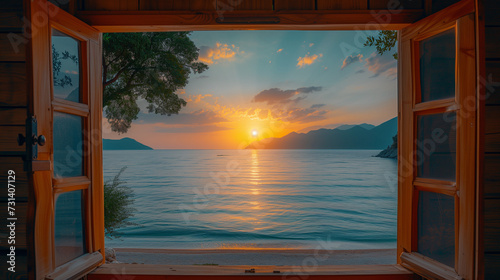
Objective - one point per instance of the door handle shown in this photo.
(40, 140)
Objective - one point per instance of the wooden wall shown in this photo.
(491, 181)
(212, 5)
(431, 6)
(13, 115)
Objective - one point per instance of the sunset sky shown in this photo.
(269, 83)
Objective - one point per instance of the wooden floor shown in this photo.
(157, 272)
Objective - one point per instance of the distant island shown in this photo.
(391, 151)
(345, 137)
(123, 144)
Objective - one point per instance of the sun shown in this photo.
(255, 133)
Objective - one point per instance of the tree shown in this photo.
(118, 201)
(150, 66)
(384, 42)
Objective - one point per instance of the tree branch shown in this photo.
(131, 78)
(116, 57)
(104, 71)
(116, 76)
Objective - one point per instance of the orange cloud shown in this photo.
(306, 115)
(211, 55)
(197, 98)
(263, 114)
(351, 59)
(392, 72)
(308, 60)
(381, 64)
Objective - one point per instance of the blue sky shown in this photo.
(274, 82)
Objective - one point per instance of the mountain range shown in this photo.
(362, 136)
(349, 126)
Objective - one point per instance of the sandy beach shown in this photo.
(283, 257)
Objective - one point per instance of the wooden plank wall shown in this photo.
(13, 115)
(492, 142)
(263, 5)
(438, 5)
(66, 5)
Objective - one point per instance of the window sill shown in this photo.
(147, 271)
(427, 267)
(76, 268)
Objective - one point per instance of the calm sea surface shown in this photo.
(336, 199)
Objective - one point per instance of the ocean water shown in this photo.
(307, 199)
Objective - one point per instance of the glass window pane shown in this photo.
(436, 227)
(65, 66)
(437, 66)
(68, 145)
(69, 235)
(436, 146)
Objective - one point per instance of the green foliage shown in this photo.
(149, 66)
(118, 200)
(384, 42)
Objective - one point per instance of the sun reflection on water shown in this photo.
(255, 178)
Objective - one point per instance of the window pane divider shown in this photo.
(436, 188)
(445, 105)
(70, 107)
(435, 182)
(71, 184)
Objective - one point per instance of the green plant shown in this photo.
(385, 41)
(118, 201)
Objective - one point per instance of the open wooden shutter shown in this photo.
(67, 170)
(437, 136)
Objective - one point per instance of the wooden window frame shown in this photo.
(463, 189)
(84, 182)
(47, 188)
(169, 21)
